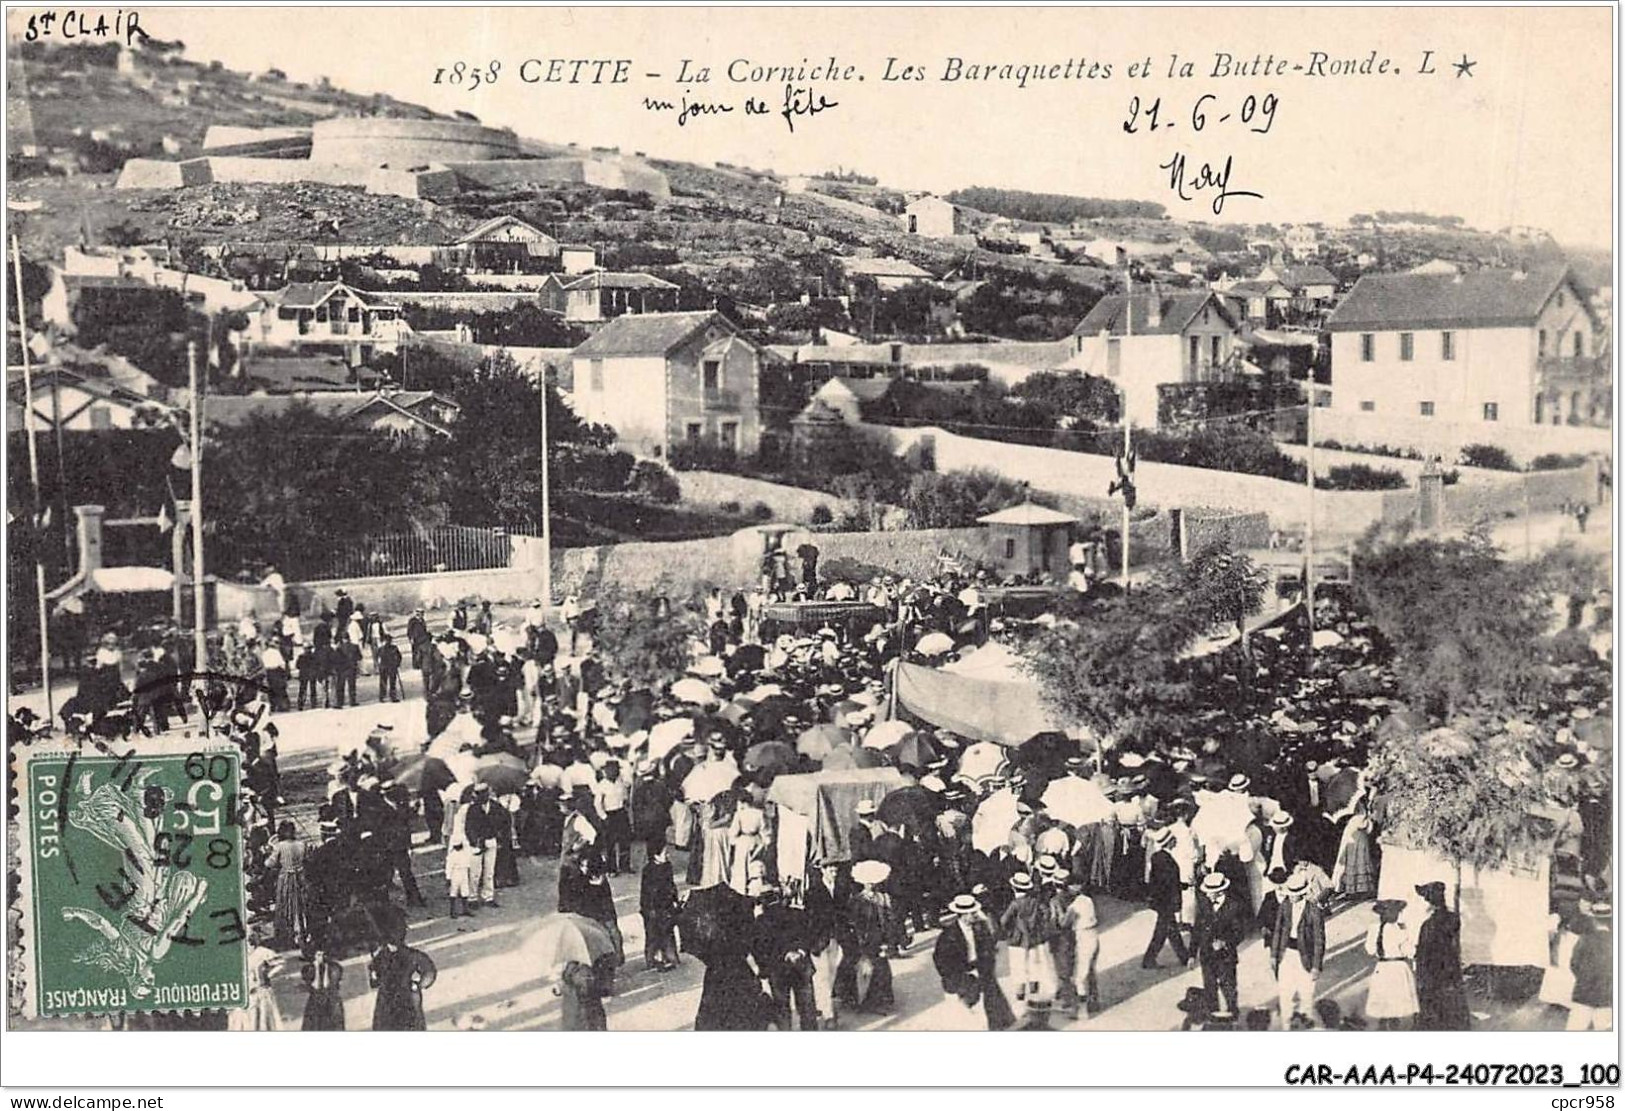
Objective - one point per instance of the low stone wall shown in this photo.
(1447, 438)
(1327, 458)
(1534, 492)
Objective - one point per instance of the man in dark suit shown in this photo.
(442, 684)
(1297, 950)
(1164, 897)
(1593, 966)
(417, 635)
(1283, 846)
(782, 946)
(1440, 996)
(1221, 927)
(395, 832)
(488, 826)
(966, 960)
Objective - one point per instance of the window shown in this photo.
(1368, 406)
(1561, 300)
(1579, 344)
(730, 435)
(101, 417)
(1492, 410)
(1196, 351)
(693, 431)
(1540, 346)
(595, 371)
(1214, 343)
(713, 374)
(1425, 408)
(1368, 347)
(1009, 549)
(1447, 346)
(1407, 346)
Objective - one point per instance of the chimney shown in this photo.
(1153, 317)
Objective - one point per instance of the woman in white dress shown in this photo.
(1392, 996)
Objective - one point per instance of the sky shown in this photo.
(1521, 137)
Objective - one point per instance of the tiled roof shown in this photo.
(497, 223)
(652, 333)
(307, 295)
(1296, 277)
(611, 279)
(1178, 310)
(1028, 513)
(884, 268)
(1491, 298)
(865, 389)
(233, 411)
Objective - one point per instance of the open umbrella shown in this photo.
(820, 740)
(887, 733)
(770, 756)
(709, 780)
(1077, 802)
(912, 808)
(694, 691)
(843, 759)
(424, 771)
(558, 939)
(1045, 752)
(935, 644)
(667, 735)
(770, 713)
(715, 921)
(915, 751)
(982, 760)
(990, 826)
(708, 667)
(736, 712)
(763, 693)
(504, 772)
(547, 775)
(1598, 732)
(635, 712)
(746, 658)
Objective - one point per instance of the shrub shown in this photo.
(655, 482)
(761, 511)
(704, 456)
(821, 514)
(1488, 456)
(729, 507)
(1556, 461)
(1361, 476)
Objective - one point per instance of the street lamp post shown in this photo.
(200, 639)
(33, 476)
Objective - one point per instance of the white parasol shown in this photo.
(1076, 801)
(990, 826)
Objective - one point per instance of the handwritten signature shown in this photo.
(1187, 184)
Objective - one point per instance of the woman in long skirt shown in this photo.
(506, 872)
(292, 889)
(1355, 874)
(1392, 996)
(324, 1006)
(260, 1014)
(583, 998)
(865, 982)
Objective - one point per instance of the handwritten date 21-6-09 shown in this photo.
(1210, 179)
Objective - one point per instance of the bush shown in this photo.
(1362, 476)
(761, 511)
(704, 456)
(655, 482)
(1487, 456)
(821, 514)
(1556, 461)
(729, 507)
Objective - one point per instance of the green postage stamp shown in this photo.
(132, 880)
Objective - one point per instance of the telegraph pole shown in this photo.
(1122, 370)
(1309, 528)
(33, 475)
(200, 639)
(547, 514)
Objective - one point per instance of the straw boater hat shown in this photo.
(1021, 881)
(867, 807)
(1281, 820)
(965, 904)
(871, 872)
(1162, 837)
(1568, 760)
(1239, 782)
(1215, 882)
(1298, 884)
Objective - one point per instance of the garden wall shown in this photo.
(1165, 485)
(789, 503)
(1447, 438)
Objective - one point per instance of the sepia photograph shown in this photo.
(790, 519)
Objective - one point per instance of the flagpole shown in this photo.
(33, 476)
(200, 639)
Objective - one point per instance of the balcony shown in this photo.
(1573, 368)
(722, 401)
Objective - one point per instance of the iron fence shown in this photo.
(418, 552)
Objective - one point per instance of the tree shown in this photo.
(1220, 585)
(641, 640)
(957, 499)
(1470, 629)
(1115, 666)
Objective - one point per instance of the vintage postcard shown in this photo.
(799, 519)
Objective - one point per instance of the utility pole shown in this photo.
(1309, 528)
(547, 514)
(1122, 369)
(33, 476)
(200, 639)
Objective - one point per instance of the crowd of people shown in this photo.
(535, 752)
